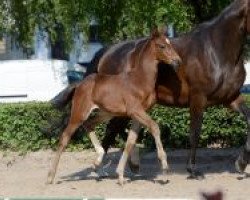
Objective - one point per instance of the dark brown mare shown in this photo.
(212, 73)
(127, 94)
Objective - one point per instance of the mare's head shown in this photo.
(241, 9)
(248, 16)
(163, 49)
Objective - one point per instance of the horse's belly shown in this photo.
(173, 97)
(228, 91)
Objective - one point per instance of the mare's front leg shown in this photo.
(197, 105)
(131, 140)
(244, 157)
(116, 126)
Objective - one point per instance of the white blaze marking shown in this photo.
(167, 40)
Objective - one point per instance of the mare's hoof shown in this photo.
(242, 161)
(240, 165)
(195, 174)
(244, 176)
(135, 168)
(162, 182)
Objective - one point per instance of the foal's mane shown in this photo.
(137, 52)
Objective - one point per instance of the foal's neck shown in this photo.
(145, 66)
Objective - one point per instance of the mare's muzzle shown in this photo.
(175, 64)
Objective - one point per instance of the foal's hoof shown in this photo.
(195, 174)
(135, 168)
(50, 179)
(166, 171)
(121, 181)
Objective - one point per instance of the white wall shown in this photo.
(247, 67)
(39, 80)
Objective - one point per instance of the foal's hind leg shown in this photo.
(89, 125)
(79, 113)
(131, 140)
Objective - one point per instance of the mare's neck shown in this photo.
(228, 34)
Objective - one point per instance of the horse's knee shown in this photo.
(154, 128)
(64, 141)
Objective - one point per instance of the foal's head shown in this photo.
(163, 49)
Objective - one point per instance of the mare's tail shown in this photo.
(64, 97)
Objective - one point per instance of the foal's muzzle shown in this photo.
(175, 64)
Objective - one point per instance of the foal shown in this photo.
(127, 94)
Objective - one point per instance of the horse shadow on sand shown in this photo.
(210, 161)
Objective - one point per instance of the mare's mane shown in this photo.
(228, 13)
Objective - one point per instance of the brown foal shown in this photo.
(127, 94)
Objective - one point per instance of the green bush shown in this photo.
(34, 126)
(220, 126)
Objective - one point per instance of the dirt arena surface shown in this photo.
(25, 176)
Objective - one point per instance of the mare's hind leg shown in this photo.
(244, 157)
(131, 140)
(197, 105)
(79, 113)
(116, 126)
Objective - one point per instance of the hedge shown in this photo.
(33, 126)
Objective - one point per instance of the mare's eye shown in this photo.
(162, 46)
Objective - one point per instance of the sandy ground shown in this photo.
(26, 176)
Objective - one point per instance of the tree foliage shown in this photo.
(117, 19)
(206, 9)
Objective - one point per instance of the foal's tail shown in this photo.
(64, 97)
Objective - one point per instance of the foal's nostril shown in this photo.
(176, 63)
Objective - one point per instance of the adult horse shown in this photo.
(212, 73)
(125, 94)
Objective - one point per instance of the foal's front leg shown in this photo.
(141, 116)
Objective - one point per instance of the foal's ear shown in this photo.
(164, 30)
(155, 33)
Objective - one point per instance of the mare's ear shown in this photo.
(243, 11)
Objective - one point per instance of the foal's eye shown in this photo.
(162, 46)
